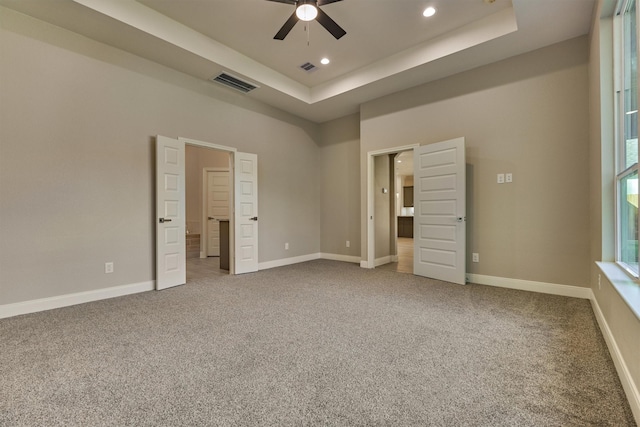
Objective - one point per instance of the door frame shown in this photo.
(369, 261)
(205, 183)
(232, 151)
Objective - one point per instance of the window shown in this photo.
(627, 137)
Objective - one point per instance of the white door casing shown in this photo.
(217, 190)
(440, 211)
(171, 269)
(246, 212)
(369, 249)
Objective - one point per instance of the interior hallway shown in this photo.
(405, 257)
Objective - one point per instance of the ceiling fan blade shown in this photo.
(323, 2)
(288, 1)
(291, 22)
(330, 25)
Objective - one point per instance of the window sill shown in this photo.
(628, 289)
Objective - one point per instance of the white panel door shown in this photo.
(439, 211)
(217, 208)
(171, 269)
(246, 215)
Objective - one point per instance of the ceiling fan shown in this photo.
(308, 10)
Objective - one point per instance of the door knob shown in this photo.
(255, 218)
(460, 219)
(211, 217)
(163, 220)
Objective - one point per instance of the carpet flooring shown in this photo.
(317, 343)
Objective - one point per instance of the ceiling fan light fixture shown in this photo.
(430, 11)
(306, 11)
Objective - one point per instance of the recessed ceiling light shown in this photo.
(399, 161)
(430, 11)
(324, 61)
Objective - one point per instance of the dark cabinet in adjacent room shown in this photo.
(405, 226)
(407, 196)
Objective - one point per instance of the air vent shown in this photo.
(308, 67)
(234, 82)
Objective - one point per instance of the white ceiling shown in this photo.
(389, 45)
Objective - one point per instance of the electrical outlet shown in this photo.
(500, 178)
(286, 246)
(475, 257)
(108, 267)
(348, 244)
(509, 177)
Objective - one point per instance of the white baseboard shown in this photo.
(287, 261)
(532, 286)
(343, 258)
(383, 260)
(394, 258)
(630, 388)
(309, 257)
(26, 307)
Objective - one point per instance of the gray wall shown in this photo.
(381, 215)
(527, 115)
(77, 127)
(340, 177)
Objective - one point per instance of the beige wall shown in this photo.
(381, 215)
(527, 115)
(340, 177)
(78, 121)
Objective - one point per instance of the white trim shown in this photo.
(287, 261)
(189, 141)
(369, 259)
(42, 304)
(627, 287)
(394, 258)
(383, 260)
(309, 257)
(343, 258)
(630, 388)
(531, 286)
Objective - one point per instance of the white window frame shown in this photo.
(619, 114)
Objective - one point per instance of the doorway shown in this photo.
(393, 218)
(440, 214)
(208, 197)
(171, 225)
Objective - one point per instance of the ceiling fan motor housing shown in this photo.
(309, 10)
